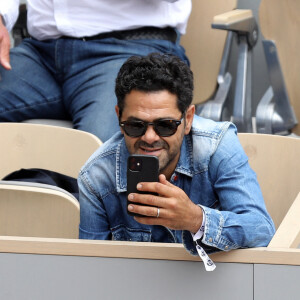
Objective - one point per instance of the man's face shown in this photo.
(150, 107)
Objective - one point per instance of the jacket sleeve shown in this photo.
(93, 219)
(241, 220)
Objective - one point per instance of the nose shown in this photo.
(150, 135)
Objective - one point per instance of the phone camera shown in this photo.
(135, 164)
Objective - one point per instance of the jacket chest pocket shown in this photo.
(123, 233)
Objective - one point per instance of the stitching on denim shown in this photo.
(96, 158)
(118, 167)
(119, 226)
(40, 103)
(89, 187)
(213, 134)
(221, 134)
(146, 234)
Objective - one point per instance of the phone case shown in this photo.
(140, 168)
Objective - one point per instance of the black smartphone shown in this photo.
(140, 168)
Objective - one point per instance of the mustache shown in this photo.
(157, 144)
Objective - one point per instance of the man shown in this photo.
(66, 70)
(206, 192)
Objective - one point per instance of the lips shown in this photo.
(150, 151)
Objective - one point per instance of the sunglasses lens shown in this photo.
(166, 127)
(134, 129)
(163, 127)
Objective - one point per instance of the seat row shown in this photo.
(39, 210)
(34, 209)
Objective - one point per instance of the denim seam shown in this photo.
(96, 158)
(118, 177)
(141, 232)
(89, 232)
(215, 135)
(191, 161)
(219, 241)
(190, 149)
(170, 231)
(224, 128)
(89, 186)
(130, 229)
(31, 105)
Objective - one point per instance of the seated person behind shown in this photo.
(66, 70)
(206, 190)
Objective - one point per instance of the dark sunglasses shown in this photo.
(162, 127)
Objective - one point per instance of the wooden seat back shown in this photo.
(280, 22)
(204, 45)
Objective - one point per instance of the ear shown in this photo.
(118, 116)
(117, 111)
(189, 116)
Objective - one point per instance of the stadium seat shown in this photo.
(37, 210)
(33, 209)
(279, 108)
(53, 148)
(276, 161)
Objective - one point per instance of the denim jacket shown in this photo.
(213, 171)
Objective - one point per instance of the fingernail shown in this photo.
(139, 186)
(130, 207)
(7, 65)
(130, 197)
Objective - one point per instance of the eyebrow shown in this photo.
(134, 119)
(131, 118)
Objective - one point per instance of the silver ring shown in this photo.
(157, 213)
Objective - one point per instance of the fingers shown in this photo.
(162, 188)
(4, 60)
(176, 210)
(147, 199)
(4, 48)
(149, 221)
(147, 211)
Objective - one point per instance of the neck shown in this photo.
(170, 168)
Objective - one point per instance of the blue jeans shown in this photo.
(71, 79)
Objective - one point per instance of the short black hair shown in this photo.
(156, 72)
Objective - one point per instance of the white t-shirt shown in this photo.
(78, 18)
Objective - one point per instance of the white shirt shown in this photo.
(77, 18)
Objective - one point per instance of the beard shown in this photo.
(166, 157)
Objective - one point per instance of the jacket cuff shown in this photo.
(213, 237)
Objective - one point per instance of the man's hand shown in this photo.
(4, 46)
(176, 210)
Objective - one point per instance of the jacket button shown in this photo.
(226, 247)
(210, 240)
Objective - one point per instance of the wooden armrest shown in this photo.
(288, 233)
(233, 16)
